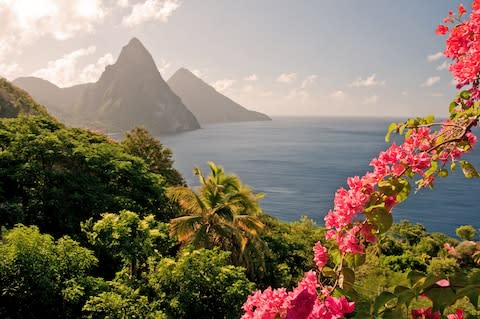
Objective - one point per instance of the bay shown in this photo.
(299, 163)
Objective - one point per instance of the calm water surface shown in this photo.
(299, 163)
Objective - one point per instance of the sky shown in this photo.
(281, 57)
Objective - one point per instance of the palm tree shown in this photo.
(223, 213)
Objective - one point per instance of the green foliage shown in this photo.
(403, 263)
(38, 274)
(466, 232)
(139, 142)
(224, 213)
(289, 252)
(200, 284)
(129, 238)
(55, 177)
(121, 301)
(440, 266)
(15, 101)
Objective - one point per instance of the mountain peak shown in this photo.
(135, 54)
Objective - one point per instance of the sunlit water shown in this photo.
(299, 163)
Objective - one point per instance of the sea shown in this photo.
(299, 163)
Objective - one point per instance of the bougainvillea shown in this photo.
(363, 210)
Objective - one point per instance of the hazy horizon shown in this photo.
(314, 58)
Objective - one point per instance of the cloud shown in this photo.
(338, 94)
(27, 20)
(247, 89)
(435, 56)
(252, 77)
(10, 71)
(309, 80)
(163, 66)
(222, 85)
(23, 22)
(287, 78)
(369, 81)
(443, 66)
(371, 99)
(65, 71)
(123, 3)
(431, 81)
(151, 10)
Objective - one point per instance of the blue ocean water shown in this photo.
(300, 162)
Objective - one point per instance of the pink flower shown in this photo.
(301, 306)
(320, 255)
(457, 315)
(441, 29)
(425, 313)
(461, 10)
(443, 283)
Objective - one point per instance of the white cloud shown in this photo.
(371, 99)
(122, 3)
(309, 80)
(92, 72)
(443, 66)
(65, 71)
(338, 94)
(23, 22)
(287, 77)
(369, 81)
(151, 10)
(163, 65)
(27, 20)
(297, 94)
(431, 81)
(247, 88)
(252, 77)
(223, 85)
(10, 71)
(434, 57)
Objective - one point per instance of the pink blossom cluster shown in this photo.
(427, 313)
(342, 222)
(320, 255)
(463, 47)
(302, 302)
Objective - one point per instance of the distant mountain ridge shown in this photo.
(208, 105)
(15, 101)
(129, 93)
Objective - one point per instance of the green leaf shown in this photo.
(381, 219)
(346, 278)
(452, 106)
(441, 297)
(468, 169)
(453, 166)
(403, 187)
(432, 169)
(471, 292)
(355, 260)
(429, 119)
(465, 95)
(392, 127)
(328, 272)
(415, 276)
(382, 300)
(443, 172)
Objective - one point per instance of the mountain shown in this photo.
(60, 101)
(208, 105)
(15, 101)
(129, 93)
